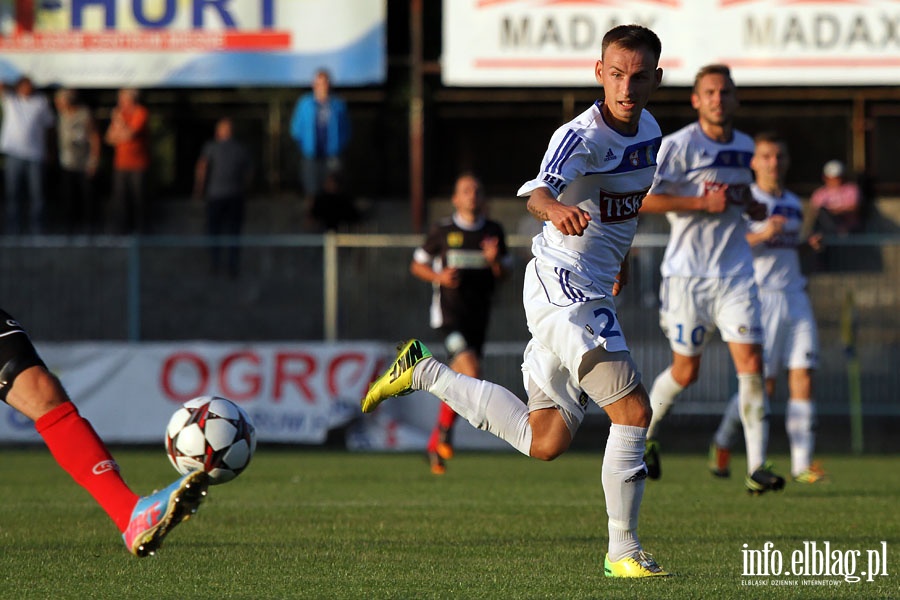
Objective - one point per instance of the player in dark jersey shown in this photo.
(463, 257)
(27, 386)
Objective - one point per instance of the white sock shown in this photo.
(754, 416)
(487, 406)
(799, 422)
(730, 426)
(662, 396)
(624, 475)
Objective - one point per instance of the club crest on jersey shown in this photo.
(455, 239)
(635, 158)
(615, 208)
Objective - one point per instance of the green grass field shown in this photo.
(311, 524)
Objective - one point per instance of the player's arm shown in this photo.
(569, 220)
(448, 277)
(623, 275)
(712, 201)
(493, 249)
(774, 226)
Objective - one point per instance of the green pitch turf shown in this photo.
(311, 524)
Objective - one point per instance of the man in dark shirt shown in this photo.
(463, 257)
(222, 176)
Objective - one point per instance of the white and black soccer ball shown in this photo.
(211, 434)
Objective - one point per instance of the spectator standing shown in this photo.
(836, 205)
(78, 142)
(128, 135)
(222, 176)
(462, 257)
(320, 125)
(23, 139)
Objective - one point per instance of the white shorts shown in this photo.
(567, 317)
(792, 339)
(692, 308)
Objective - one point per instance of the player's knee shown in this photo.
(16, 356)
(548, 448)
(685, 374)
(550, 436)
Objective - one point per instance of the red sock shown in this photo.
(446, 419)
(82, 454)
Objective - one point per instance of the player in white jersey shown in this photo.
(588, 192)
(702, 184)
(791, 338)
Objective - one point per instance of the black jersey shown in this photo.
(451, 244)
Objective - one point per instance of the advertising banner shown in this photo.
(295, 393)
(192, 43)
(766, 42)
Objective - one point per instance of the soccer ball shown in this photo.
(210, 434)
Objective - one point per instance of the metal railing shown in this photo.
(358, 287)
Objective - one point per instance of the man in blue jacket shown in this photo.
(321, 127)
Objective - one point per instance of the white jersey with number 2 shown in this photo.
(590, 165)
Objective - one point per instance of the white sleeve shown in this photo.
(565, 159)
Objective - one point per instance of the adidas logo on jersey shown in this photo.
(610, 155)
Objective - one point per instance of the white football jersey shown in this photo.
(704, 244)
(776, 264)
(590, 165)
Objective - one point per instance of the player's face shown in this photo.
(628, 78)
(770, 162)
(468, 197)
(715, 100)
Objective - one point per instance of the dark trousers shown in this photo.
(76, 196)
(128, 201)
(24, 183)
(225, 216)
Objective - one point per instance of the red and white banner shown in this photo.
(766, 42)
(293, 392)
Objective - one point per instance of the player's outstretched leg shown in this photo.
(397, 380)
(154, 516)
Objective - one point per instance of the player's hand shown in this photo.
(715, 197)
(757, 211)
(490, 247)
(621, 279)
(774, 226)
(570, 220)
(448, 278)
(815, 242)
